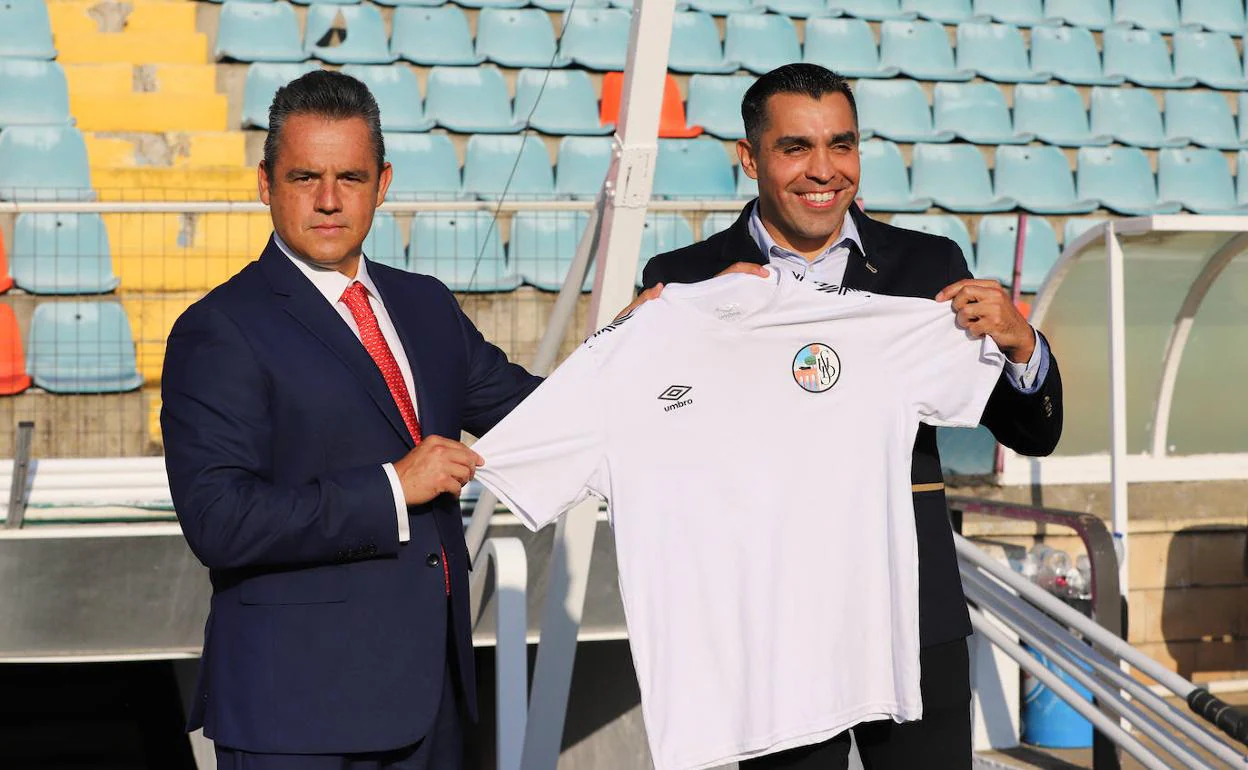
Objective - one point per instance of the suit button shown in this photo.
(433, 560)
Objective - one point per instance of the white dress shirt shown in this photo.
(331, 284)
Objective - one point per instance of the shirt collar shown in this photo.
(766, 244)
(329, 283)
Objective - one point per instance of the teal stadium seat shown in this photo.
(218, 2)
(996, 52)
(462, 249)
(966, 451)
(489, 162)
(1211, 58)
(33, 92)
(397, 93)
(517, 37)
(82, 347)
(717, 222)
(662, 232)
(582, 166)
(259, 88)
(1086, 14)
(491, 3)
(897, 110)
(696, 47)
(568, 104)
(798, 9)
(1070, 54)
(1241, 177)
(943, 11)
(384, 243)
(543, 245)
(693, 168)
(955, 177)
(1055, 115)
(761, 42)
(433, 36)
(1200, 117)
(1199, 179)
(61, 254)
(1130, 116)
(746, 187)
(25, 30)
(563, 5)
(44, 163)
(884, 181)
(1021, 13)
(725, 7)
(258, 32)
(1075, 228)
(310, 2)
(1242, 112)
(346, 34)
(1141, 56)
(715, 104)
(976, 112)
(945, 225)
(846, 46)
(425, 167)
(1160, 15)
(418, 3)
(997, 241)
(469, 100)
(1040, 179)
(919, 49)
(1121, 179)
(596, 38)
(1214, 15)
(871, 10)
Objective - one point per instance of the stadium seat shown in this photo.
(955, 177)
(996, 244)
(568, 104)
(1200, 117)
(1242, 112)
(1039, 178)
(492, 3)
(1214, 15)
(44, 163)
(6, 280)
(425, 167)
(966, 451)
(423, 3)
(397, 94)
(564, 5)
(919, 49)
(1141, 56)
(25, 30)
(1241, 177)
(671, 116)
(662, 232)
(846, 46)
(62, 254)
(717, 222)
(1211, 58)
(264, 32)
(1070, 54)
(725, 7)
(761, 42)
(82, 347)
(582, 166)
(1159, 15)
(943, 11)
(517, 37)
(384, 243)
(346, 34)
(543, 245)
(897, 110)
(1085, 14)
(1075, 228)
(996, 52)
(696, 46)
(746, 187)
(946, 225)
(1199, 179)
(263, 80)
(596, 38)
(1021, 13)
(715, 104)
(884, 182)
(13, 376)
(975, 112)
(462, 249)
(491, 167)
(1055, 115)
(1130, 116)
(33, 93)
(432, 36)
(798, 9)
(871, 10)
(1121, 179)
(469, 100)
(693, 168)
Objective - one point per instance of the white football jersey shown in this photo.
(752, 438)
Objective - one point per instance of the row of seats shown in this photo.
(73, 347)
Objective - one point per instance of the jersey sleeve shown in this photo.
(548, 454)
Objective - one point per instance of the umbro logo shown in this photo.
(676, 394)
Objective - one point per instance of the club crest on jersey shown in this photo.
(816, 367)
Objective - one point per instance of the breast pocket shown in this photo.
(316, 585)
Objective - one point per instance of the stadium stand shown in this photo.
(543, 244)
(33, 93)
(696, 47)
(469, 100)
(464, 249)
(1214, 15)
(62, 254)
(761, 42)
(897, 110)
(44, 163)
(346, 34)
(397, 93)
(25, 30)
(919, 49)
(1197, 178)
(872, 10)
(517, 164)
(1021, 13)
(1200, 117)
(945, 225)
(884, 181)
(1130, 116)
(715, 104)
(596, 38)
(263, 80)
(1210, 58)
(977, 113)
(1055, 115)
(1088, 14)
(1039, 179)
(672, 119)
(6, 281)
(955, 177)
(846, 46)
(254, 32)
(943, 11)
(425, 166)
(693, 169)
(384, 243)
(582, 165)
(1070, 54)
(519, 37)
(13, 376)
(996, 52)
(1142, 57)
(1121, 179)
(433, 36)
(1160, 15)
(995, 244)
(558, 102)
(82, 347)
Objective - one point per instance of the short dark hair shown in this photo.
(801, 78)
(326, 94)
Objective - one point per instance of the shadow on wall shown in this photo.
(1204, 606)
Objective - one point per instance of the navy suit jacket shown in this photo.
(326, 635)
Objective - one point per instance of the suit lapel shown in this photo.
(402, 311)
(739, 245)
(867, 270)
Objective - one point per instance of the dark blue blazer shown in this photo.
(326, 635)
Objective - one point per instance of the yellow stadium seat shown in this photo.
(109, 152)
(149, 112)
(100, 79)
(140, 47)
(219, 148)
(175, 184)
(185, 78)
(151, 317)
(161, 16)
(119, 78)
(168, 253)
(152, 396)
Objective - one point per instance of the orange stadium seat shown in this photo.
(672, 118)
(6, 280)
(13, 377)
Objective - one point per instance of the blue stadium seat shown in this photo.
(1214, 15)
(1160, 15)
(1199, 179)
(1039, 178)
(897, 110)
(543, 245)
(884, 182)
(943, 11)
(717, 222)
(1141, 56)
(568, 104)
(1130, 116)
(1200, 117)
(425, 167)
(846, 46)
(696, 46)
(432, 36)
(1074, 228)
(976, 112)
(309, 2)
(1085, 14)
(397, 93)
(966, 451)
(746, 187)
(693, 168)
(1241, 177)
(946, 225)
(469, 100)
(25, 30)
(871, 10)
(919, 49)
(1242, 112)
(517, 37)
(715, 104)
(419, 3)
(1055, 114)
(488, 165)
(82, 347)
(725, 7)
(44, 163)
(596, 38)
(1021, 13)
(798, 9)
(462, 249)
(263, 80)
(955, 177)
(384, 243)
(761, 42)
(1211, 58)
(996, 243)
(1070, 54)
(582, 166)
(346, 34)
(1121, 179)
(662, 232)
(33, 93)
(61, 254)
(996, 52)
(267, 32)
(493, 3)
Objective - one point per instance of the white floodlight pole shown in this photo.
(1118, 400)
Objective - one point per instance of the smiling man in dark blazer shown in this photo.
(802, 147)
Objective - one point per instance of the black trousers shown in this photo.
(941, 740)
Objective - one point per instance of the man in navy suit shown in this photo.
(312, 409)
